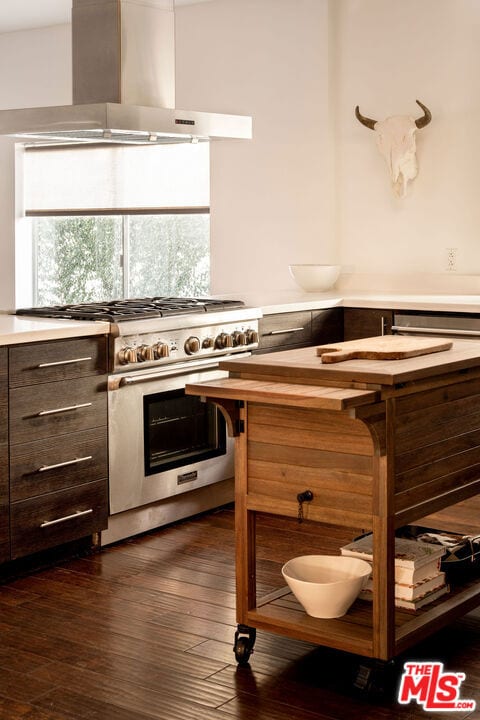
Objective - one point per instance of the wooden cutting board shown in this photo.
(386, 347)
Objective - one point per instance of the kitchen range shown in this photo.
(169, 454)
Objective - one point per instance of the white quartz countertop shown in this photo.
(290, 302)
(16, 329)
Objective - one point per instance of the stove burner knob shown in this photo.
(239, 338)
(224, 340)
(145, 352)
(192, 345)
(127, 355)
(208, 343)
(161, 350)
(252, 337)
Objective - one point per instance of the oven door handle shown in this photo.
(434, 331)
(173, 371)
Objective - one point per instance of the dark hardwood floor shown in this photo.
(144, 629)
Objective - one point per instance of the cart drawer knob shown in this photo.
(305, 496)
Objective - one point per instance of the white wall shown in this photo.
(35, 70)
(272, 197)
(389, 53)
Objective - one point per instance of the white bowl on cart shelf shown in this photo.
(315, 278)
(326, 585)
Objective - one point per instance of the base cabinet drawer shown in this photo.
(46, 466)
(57, 518)
(57, 360)
(56, 408)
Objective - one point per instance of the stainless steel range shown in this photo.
(169, 454)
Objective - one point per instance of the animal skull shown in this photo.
(396, 142)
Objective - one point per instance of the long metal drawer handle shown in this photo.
(283, 332)
(79, 513)
(64, 409)
(44, 468)
(64, 362)
(435, 331)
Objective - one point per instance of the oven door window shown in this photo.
(180, 430)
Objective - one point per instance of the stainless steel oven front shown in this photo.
(163, 443)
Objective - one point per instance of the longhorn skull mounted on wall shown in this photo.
(396, 141)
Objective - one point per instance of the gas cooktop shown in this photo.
(134, 309)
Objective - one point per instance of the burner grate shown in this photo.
(132, 309)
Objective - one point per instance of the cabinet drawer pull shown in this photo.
(287, 330)
(64, 464)
(64, 409)
(63, 362)
(77, 514)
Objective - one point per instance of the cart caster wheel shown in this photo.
(243, 645)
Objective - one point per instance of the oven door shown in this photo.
(161, 441)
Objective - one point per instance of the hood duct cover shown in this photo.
(123, 84)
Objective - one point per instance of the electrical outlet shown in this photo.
(451, 259)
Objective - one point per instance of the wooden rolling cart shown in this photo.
(378, 445)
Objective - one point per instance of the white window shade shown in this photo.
(117, 178)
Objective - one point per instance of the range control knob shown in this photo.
(252, 336)
(224, 340)
(127, 355)
(239, 338)
(208, 343)
(161, 350)
(145, 353)
(192, 345)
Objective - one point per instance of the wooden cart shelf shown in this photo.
(379, 445)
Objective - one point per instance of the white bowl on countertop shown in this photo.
(315, 278)
(326, 585)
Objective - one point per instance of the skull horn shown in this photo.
(427, 116)
(368, 122)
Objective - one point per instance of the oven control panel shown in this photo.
(164, 347)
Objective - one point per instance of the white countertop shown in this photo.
(292, 301)
(16, 329)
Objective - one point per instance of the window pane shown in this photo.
(78, 259)
(169, 255)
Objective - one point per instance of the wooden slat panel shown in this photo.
(424, 430)
(428, 505)
(438, 396)
(351, 444)
(466, 462)
(322, 477)
(310, 458)
(304, 418)
(343, 517)
(443, 449)
(436, 487)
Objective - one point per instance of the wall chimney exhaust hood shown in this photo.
(123, 65)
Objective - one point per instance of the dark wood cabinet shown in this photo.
(365, 322)
(58, 443)
(289, 330)
(4, 479)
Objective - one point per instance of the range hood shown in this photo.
(123, 83)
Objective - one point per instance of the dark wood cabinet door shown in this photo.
(4, 481)
(327, 326)
(365, 322)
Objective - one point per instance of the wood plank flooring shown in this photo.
(145, 629)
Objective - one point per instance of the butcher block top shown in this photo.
(304, 365)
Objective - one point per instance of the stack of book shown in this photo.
(418, 579)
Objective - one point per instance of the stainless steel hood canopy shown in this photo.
(123, 63)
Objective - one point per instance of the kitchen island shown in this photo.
(379, 444)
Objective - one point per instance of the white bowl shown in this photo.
(315, 278)
(326, 585)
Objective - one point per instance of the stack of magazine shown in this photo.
(418, 578)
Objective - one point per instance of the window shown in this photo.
(118, 222)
